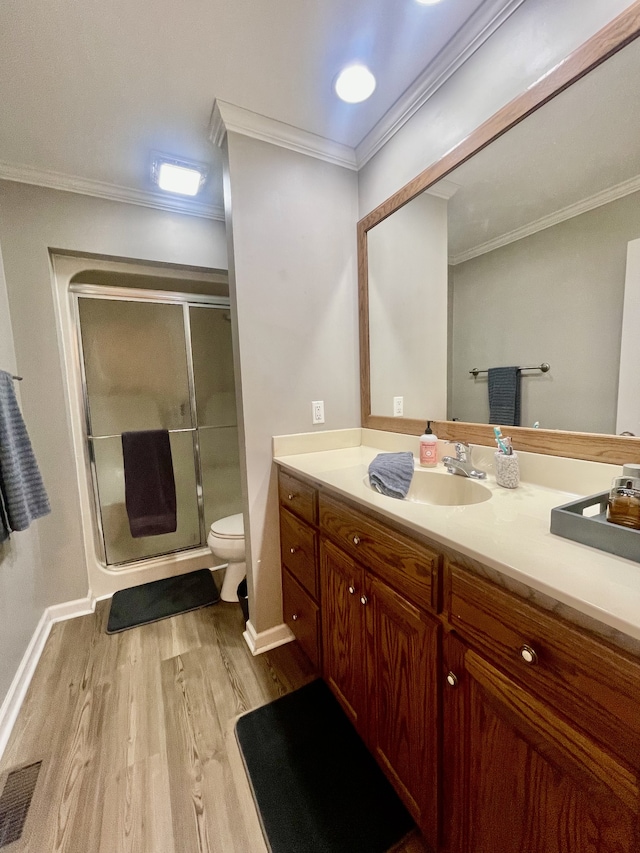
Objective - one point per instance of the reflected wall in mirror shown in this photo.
(538, 232)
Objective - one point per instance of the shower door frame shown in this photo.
(111, 293)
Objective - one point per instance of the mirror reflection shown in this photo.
(528, 253)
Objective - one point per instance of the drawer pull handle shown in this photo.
(291, 496)
(364, 599)
(528, 655)
(292, 550)
(356, 540)
(295, 617)
(452, 679)
(352, 590)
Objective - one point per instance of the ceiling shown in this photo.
(89, 89)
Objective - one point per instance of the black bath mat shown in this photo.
(160, 599)
(317, 788)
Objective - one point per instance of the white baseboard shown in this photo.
(71, 609)
(17, 691)
(267, 640)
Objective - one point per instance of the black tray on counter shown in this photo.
(594, 530)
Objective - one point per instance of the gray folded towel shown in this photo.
(23, 494)
(504, 396)
(391, 473)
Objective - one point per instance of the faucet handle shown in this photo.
(463, 450)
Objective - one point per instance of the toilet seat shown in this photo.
(231, 527)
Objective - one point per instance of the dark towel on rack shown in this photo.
(5, 530)
(504, 396)
(149, 484)
(23, 494)
(391, 473)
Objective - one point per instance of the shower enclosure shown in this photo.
(155, 360)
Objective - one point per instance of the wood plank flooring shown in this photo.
(135, 731)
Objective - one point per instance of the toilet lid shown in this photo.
(231, 527)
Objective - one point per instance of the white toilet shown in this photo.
(226, 541)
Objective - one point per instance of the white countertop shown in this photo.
(509, 533)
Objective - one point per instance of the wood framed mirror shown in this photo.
(432, 188)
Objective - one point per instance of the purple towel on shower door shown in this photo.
(149, 484)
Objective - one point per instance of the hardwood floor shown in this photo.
(135, 731)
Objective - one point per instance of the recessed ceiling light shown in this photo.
(178, 176)
(355, 83)
(427, 2)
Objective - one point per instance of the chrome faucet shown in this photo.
(462, 464)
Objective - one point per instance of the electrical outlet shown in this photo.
(398, 407)
(317, 411)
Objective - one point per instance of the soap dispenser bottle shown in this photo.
(428, 448)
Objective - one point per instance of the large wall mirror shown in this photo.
(520, 248)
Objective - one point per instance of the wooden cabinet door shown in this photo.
(531, 782)
(402, 654)
(343, 646)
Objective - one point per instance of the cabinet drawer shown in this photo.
(302, 615)
(298, 548)
(594, 685)
(297, 497)
(409, 567)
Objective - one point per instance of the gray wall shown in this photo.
(45, 565)
(555, 296)
(293, 287)
(20, 599)
(407, 256)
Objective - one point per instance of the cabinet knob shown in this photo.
(356, 540)
(452, 679)
(295, 617)
(292, 550)
(290, 496)
(528, 655)
(364, 599)
(352, 590)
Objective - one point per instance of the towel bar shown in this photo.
(544, 367)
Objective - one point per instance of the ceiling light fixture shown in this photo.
(355, 84)
(182, 177)
(427, 2)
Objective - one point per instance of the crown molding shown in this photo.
(112, 192)
(227, 117)
(444, 188)
(598, 200)
(486, 20)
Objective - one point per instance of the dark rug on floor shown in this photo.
(317, 788)
(161, 599)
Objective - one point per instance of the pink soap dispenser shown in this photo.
(428, 448)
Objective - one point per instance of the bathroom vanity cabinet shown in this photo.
(501, 725)
(540, 729)
(299, 550)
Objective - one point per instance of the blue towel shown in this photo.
(23, 493)
(504, 396)
(391, 473)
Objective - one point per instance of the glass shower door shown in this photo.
(136, 365)
(217, 426)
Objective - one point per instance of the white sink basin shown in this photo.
(437, 488)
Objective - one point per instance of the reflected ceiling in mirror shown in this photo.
(537, 227)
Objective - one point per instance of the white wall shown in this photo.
(293, 288)
(554, 296)
(407, 256)
(33, 220)
(538, 35)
